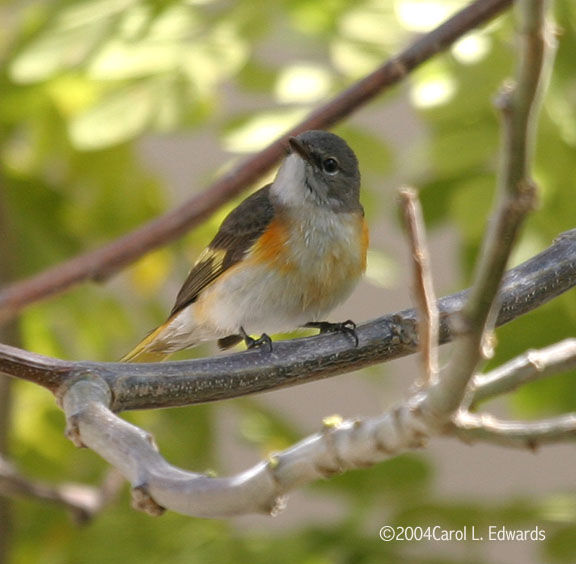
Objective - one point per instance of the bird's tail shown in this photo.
(149, 349)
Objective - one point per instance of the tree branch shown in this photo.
(517, 196)
(145, 386)
(90, 392)
(107, 260)
(82, 501)
(472, 427)
(423, 290)
(339, 446)
(528, 367)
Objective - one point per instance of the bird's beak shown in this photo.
(299, 147)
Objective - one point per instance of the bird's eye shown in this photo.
(330, 165)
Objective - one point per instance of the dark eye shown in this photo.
(330, 165)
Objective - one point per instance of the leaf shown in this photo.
(119, 116)
(253, 132)
(78, 29)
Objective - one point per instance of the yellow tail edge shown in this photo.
(143, 351)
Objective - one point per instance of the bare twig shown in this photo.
(423, 286)
(144, 386)
(528, 367)
(521, 434)
(82, 501)
(105, 261)
(517, 194)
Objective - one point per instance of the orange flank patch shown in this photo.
(271, 246)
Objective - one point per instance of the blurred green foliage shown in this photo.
(83, 80)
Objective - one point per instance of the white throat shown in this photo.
(289, 186)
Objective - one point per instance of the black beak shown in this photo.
(299, 147)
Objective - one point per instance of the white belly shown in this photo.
(327, 258)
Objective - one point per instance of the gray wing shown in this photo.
(238, 232)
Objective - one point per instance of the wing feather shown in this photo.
(236, 235)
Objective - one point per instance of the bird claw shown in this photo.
(251, 343)
(347, 327)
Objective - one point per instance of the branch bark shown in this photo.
(339, 446)
(103, 262)
(146, 386)
(471, 427)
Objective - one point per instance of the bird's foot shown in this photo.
(251, 343)
(347, 327)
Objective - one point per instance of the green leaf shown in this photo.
(119, 116)
(78, 29)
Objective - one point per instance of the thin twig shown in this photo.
(517, 195)
(294, 362)
(81, 500)
(528, 367)
(472, 427)
(423, 286)
(101, 263)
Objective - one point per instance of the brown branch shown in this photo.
(105, 261)
(145, 386)
(423, 285)
(82, 501)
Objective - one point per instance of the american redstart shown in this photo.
(284, 258)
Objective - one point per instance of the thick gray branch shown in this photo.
(144, 386)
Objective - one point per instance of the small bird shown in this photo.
(282, 259)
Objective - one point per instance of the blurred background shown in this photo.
(115, 111)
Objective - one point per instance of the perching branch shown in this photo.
(146, 386)
(339, 446)
(103, 262)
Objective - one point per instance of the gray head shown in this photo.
(322, 170)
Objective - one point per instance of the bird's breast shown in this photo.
(320, 255)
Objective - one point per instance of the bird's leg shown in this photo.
(256, 343)
(347, 327)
